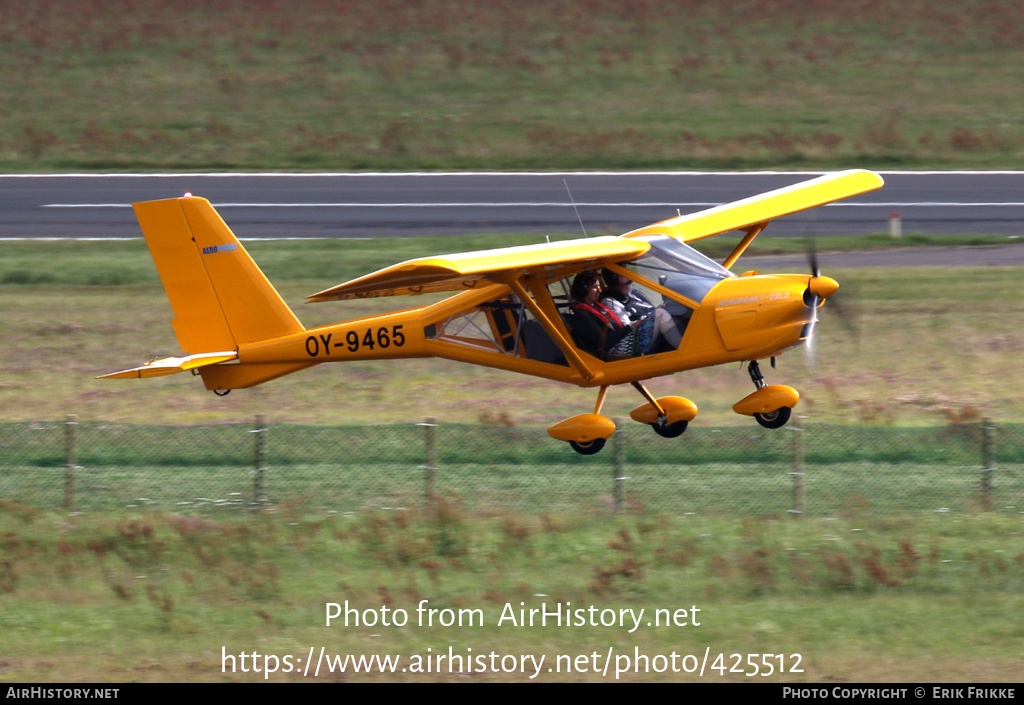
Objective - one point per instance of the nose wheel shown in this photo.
(770, 405)
(774, 419)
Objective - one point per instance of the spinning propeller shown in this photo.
(818, 289)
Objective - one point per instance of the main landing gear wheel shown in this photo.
(670, 430)
(588, 447)
(774, 419)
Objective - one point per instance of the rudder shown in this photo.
(220, 297)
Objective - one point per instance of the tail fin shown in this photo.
(220, 297)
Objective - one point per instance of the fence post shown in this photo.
(259, 465)
(70, 460)
(618, 466)
(798, 470)
(430, 467)
(988, 433)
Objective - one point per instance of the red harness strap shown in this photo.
(602, 312)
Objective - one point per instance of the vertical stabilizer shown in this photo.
(220, 297)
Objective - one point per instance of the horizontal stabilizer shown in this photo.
(170, 365)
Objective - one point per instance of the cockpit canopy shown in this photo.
(677, 266)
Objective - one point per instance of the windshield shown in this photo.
(677, 266)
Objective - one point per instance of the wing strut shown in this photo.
(571, 354)
(752, 232)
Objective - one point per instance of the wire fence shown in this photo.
(816, 470)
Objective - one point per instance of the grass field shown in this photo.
(437, 84)
(161, 594)
(866, 594)
(739, 472)
(162, 597)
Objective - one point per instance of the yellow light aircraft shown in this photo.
(510, 308)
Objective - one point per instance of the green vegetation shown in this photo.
(333, 260)
(350, 468)
(872, 593)
(436, 84)
(155, 596)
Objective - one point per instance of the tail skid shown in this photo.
(220, 297)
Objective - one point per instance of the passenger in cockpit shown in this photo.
(595, 328)
(631, 305)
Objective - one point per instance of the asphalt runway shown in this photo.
(374, 205)
(368, 205)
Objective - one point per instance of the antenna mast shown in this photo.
(574, 207)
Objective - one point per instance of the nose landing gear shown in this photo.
(774, 419)
(770, 405)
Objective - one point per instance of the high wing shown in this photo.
(467, 270)
(758, 210)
